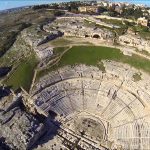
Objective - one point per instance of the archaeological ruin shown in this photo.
(97, 109)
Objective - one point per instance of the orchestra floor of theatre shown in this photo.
(96, 109)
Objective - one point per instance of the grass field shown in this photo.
(60, 42)
(91, 55)
(67, 41)
(112, 21)
(11, 24)
(59, 50)
(22, 76)
(145, 35)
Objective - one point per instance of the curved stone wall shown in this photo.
(113, 97)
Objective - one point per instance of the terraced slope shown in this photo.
(81, 93)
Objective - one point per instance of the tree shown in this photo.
(132, 13)
(102, 9)
(58, 13)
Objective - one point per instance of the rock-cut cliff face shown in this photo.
(18, 128)
(35, 37)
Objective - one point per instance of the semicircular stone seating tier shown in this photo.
(114, 96)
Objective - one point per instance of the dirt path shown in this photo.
(36, 70)
(94, 42)
(98, 42)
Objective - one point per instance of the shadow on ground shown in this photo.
(52, 126)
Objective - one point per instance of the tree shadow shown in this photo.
(4, 91)
(4, 71)
(3, 145)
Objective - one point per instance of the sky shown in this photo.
(6, 4)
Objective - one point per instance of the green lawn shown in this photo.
(112, 21)
(60, 42)
(91, 55)
(145, 35)
(67, 41)
(22, 76)
(59, 50)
